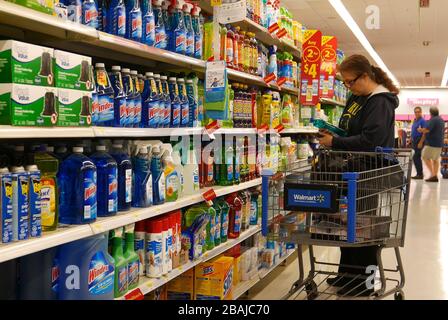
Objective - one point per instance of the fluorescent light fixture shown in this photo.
(351, 23)
(445, 75)
(423, 87)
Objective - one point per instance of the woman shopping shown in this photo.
(368, 119)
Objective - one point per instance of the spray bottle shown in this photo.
(116, 24)
(158, 182)
(167, 102)
(184, 104)
(148, 23)
(189, 31)
(161, 109)
(142, 178)
(178, 32)
(130, 99)
(198, 33)
(137, 100)
(134, 20)
(121, 265)
(132, 258)
(120, 114)
(160, 27)
(175, 102)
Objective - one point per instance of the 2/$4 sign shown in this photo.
(311, 198)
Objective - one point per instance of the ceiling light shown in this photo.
(445, 75)
(351, 23)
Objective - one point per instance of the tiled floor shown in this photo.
(425, 254)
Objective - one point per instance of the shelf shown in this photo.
(332, 102)
(300, 130)
(144, 132)
(265, 272)
(13, 132)
(147, 284)
(68, 234)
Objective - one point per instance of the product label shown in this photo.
(55, 273)
(154, 255)
(176, 114)
(48, 201)
(237, 226)
(138, 111)
(20, 185)
(139, 247)
(90, 205)
(90, 14)
(153, 110)
(112, 187)
(74, 108)
(253, 213)
(130, 108)
(225, 223)
(172, 185)
(217, 226)
(209, 168)
(34, 204)
(95, 108)
(121, 21)
(162, 187)
(160, 39)
(189, 47)
(136, 26)
(168, 249)
(184, 116)
(6, 208)
(75, 12)
(133, 274)
(128, 185)
(105, 108)
(101, 275)
(121, 105)
(122, 279)
(72, 71)
(180, 42)
(148, 29)
(148, 194)
(197, 46)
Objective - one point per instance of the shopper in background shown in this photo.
(433, 140)
(416, 137)
(368, 119)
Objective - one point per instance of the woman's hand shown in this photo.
(326, 138)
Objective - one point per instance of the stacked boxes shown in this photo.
(213, 279)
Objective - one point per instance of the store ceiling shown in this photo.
(399, 41)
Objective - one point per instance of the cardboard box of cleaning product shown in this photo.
(26, 63)
(72, 71)
(45, 6)
(74, 108)
(24, 105)
(182, 287)
(213, 279)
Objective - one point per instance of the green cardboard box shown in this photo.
(45, 6)
(26, 63)
(74, 108)
(25, 105)
(72, 71)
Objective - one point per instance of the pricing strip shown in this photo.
(281, 33)
(212, 127)
(209, 195)
(281, 81)
(273, 28)
(263, 128)
(269, 78)
(135, 294)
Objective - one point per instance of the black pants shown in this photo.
(417, 159)
(360, 257)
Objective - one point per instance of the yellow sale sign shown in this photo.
(311, 64)
(328, 66)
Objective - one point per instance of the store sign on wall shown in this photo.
(309, 90)
(423, 102)
(328, 67)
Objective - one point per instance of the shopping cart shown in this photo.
(342, 199)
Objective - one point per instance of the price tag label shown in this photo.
(135, 295)
(97, 228)
(262, 129)
(231, 12)
(209, 195)
(269, 78)
(328, 66)
(279, 128)
(212, 127)
(273, 28)
(281, 81)
(281, 33)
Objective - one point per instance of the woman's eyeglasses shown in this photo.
(350, 83)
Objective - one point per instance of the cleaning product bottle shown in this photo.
(184, 105)
(198, 33)
(178, 31)
(160, 31)
(77, 186)
(189, 31)
(148, 23)
(247, 52)
(153, 248)
(223, 43)
(124, 176)
(158, 180)
(130, 96)
(254, 47)
(229, 46)
(121, 264)
(137, 100)
(86, 270)
(237, 159)
(131, 257)
(272, 67)
(107, 184)
(217, 237)
(49, 192)
(117, 18)
(161, 109)
(225, 208)
(20, 203)
(139, 245)
(103, 7)
(175, 102)
(240, 49)
(191, 172)
(134, 20)
(142, 186)
(177, 162)
(172, 184)
(192, 103)
(225, 167)
(150, 102)
(120, 110)
(235, 203)
(167, 102)
(207, 165)
(105, 94)
(90, 13)
(167, 245)
(74, 10)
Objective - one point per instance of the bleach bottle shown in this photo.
(148, 23)
(77, 185)
(150, 111)
(120, 111)
(189, 31)
(175, 102)
(137, 100)
(107, 174)
(86, 270)
(161, 109)
(160, 31)
(90, 14)
(167, 102)
(130, 96)
(158, 182)
(116, 23)
(184, 105)
(134, 20)
(198, 33)
(178, 31)
(142, 179)
(124, 176)
(105, 94)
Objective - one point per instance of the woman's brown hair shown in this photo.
(358, 64)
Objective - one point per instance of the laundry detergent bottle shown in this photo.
(124, 164)
(77, 179)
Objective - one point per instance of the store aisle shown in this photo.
(425, 255)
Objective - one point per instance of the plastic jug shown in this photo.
(120, 109)
(124, 165)
(142, 186)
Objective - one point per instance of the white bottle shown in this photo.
(180, 171)
(166, 246)
(154, 249)
(191, 174)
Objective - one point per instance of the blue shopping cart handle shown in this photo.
(384, 149)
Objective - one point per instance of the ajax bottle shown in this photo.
(107, 184)
(167, 102)
(77, 185)
(124, 188)
(134, 20)
(137, 100)
(142, 179)
(160, 31)
(121, 264)
(105, 94)
(175, 103)
(90, 14)
(189, 32)
(117, 18)
(198, 34)
(184, 105)
(148, 23)
(178, 31)
(158, 182)
(131, 257)
(130, 96)
(120, 110)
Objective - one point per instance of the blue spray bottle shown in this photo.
(77, 185)
(189, 31)
(107, 184)
(142, 183)
(175, 102)
(124, 176)
(120, 112)
(137, 100)
(184, 105)
(103, 7)
(148, 23)
(151, 102)
(198, 33)
(178, 32)
(104, 115)
(116, 23)
(160, 39)
(158, 181)
(167, 101)
(90, 14)
(161, 109)
(193, 104)
(134, 20)
(166, 20)
(129, 92)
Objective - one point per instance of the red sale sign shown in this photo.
(328, 66)
(309, 89)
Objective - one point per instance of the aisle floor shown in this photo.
(425, 254)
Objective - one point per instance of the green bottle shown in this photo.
(131, 257)
(225, 164)
(217, 208)
(224, 219)
(121, 264)
(210, 239)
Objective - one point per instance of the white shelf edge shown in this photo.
(144, 132)
(264, 272)
(300, 130)
(18, 132)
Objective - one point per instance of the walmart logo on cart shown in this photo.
(309, 198)
(316, 198)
